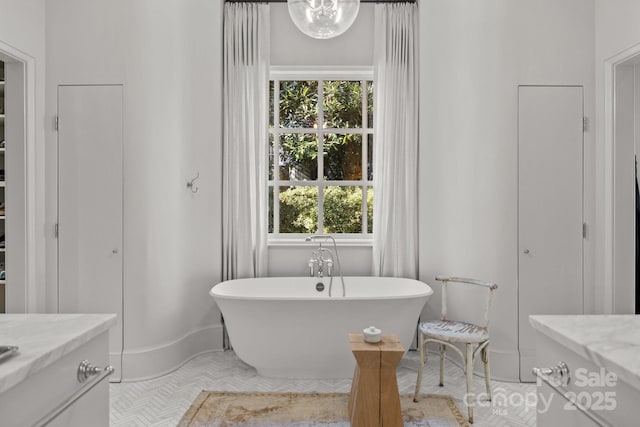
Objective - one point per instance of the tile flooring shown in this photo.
(162, 401)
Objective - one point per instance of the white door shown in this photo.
(90, 205)
(550, 213)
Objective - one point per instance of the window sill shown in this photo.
(295, 242)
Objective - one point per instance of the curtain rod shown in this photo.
(284, 1)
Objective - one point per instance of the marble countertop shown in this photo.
(609, 341)
(43, 339)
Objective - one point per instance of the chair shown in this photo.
(450, 332)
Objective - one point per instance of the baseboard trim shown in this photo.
(115, 360)
(504, 364)
(527, 362)
(149, 363)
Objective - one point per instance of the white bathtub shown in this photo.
(284, 327)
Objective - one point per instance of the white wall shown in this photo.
(474, 54)
(616, 29)
(169, 59)
(22, 29)
(168, 56)
(289, 46)
(473, 57)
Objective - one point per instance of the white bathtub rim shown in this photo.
(321, 297)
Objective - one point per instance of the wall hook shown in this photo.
(191, 185)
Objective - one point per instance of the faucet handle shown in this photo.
(312, 263)
(329, 263)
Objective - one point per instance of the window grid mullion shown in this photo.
(363, 148)
(328, 183)
(339, 131)
(276, 158)
(320, 156)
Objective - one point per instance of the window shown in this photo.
(321, 153)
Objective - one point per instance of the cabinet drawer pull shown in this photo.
(86, 370)
(559, 373)
(557, 377)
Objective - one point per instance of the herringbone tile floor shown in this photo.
(162, 401)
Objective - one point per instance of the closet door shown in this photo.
(90, 226)
(550, 212)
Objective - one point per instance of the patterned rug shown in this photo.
(223, 409)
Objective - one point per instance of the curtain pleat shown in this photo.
(395, 208)
(245, 140)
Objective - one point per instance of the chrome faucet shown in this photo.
(322, 258)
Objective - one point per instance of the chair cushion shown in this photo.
(450, 330)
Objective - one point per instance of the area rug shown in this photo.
(223, 409)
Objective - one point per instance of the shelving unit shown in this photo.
(3, 217)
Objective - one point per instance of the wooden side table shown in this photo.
(374, 399)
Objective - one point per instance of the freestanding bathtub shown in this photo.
(285, 327)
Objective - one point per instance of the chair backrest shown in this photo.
(489, 285)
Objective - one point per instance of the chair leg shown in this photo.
(423, 356)
(487, 376)
(442, 350)
(469, 372)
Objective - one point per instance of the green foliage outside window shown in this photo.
(299, 210)
(342, 210)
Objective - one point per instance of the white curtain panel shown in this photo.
(246, 79)
(395, 208)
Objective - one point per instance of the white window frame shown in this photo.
(362, 74)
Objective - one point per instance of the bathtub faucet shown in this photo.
(321, 260)
(322, 257)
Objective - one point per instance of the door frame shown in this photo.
(612, 216)
(21, 296)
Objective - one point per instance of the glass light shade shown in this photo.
(323, 19)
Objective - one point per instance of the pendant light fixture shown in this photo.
(323, 19)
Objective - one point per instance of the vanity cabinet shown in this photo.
(45, 381)
(604, 375)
